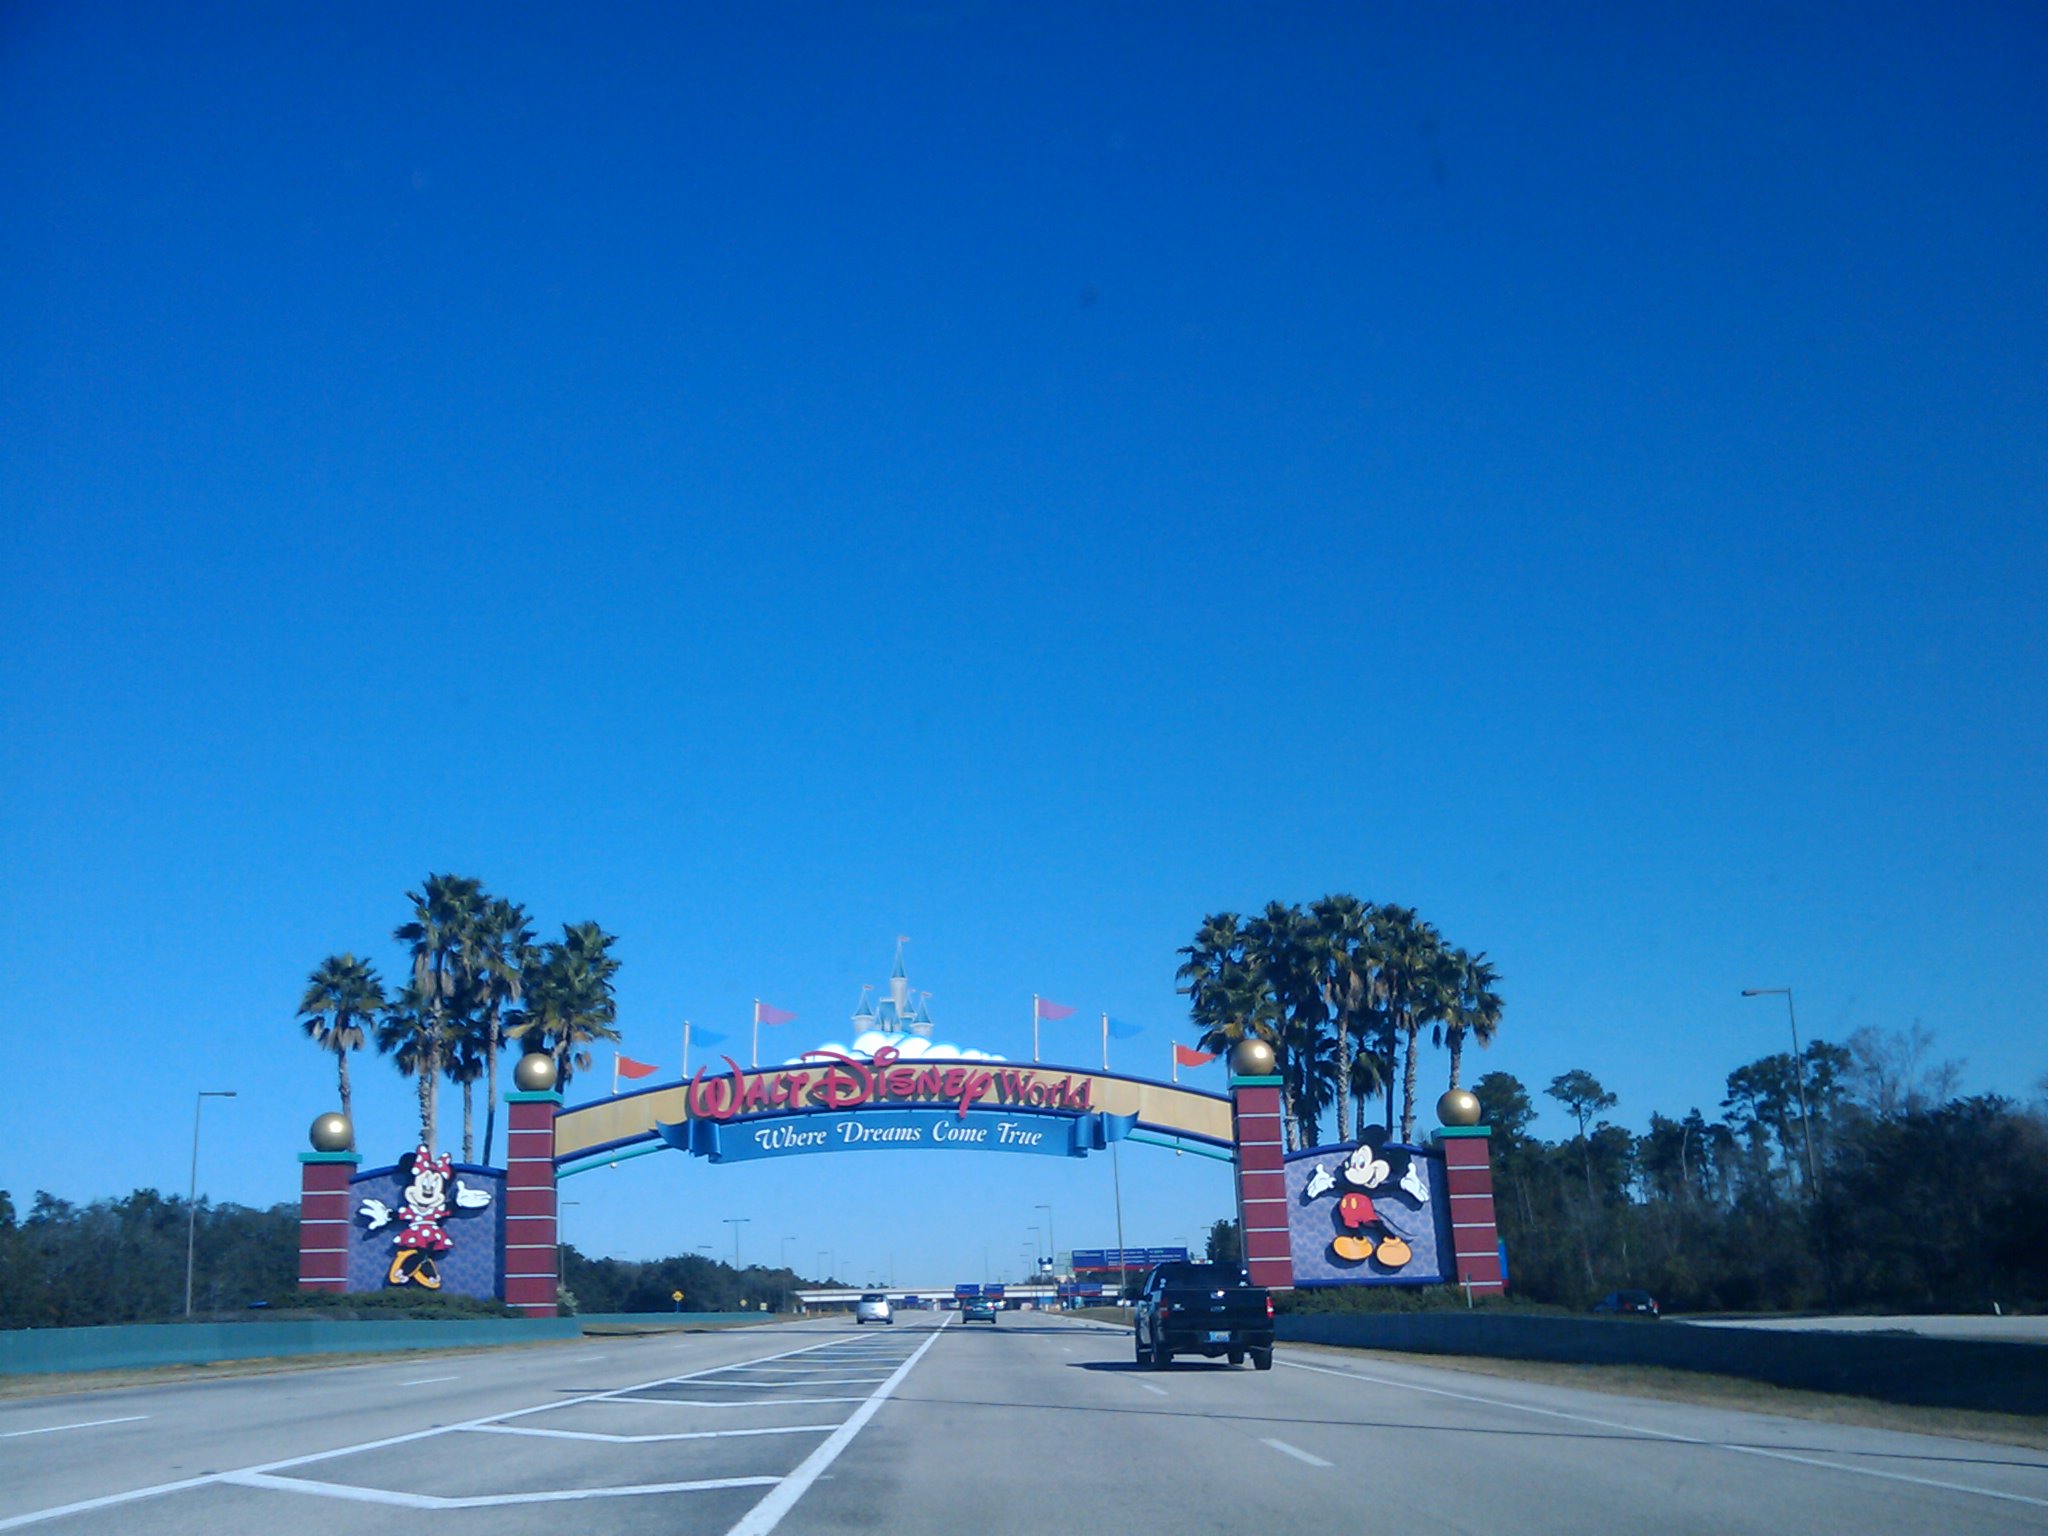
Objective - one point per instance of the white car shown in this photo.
(873, 1308)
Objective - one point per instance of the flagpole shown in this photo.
(615, 1074)
(1173, 1051)
(686, 1050)
(1034, 1027)
(755, 1059)
(1105, 1042)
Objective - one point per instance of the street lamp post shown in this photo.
(1052, 1243)
(736, 1222)
(1799, 1079)
(192, 1195)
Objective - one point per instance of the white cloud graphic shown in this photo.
(907, 1047)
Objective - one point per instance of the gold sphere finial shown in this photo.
(332, 1132)
(1458, 1107)
(1252, 1058)
(535, 1072)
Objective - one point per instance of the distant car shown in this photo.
(873, 1308)
(1628, 1304)
(978, 1312)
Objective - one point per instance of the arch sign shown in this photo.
(827, 1101)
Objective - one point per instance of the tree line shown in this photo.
(123, 1261)
(1914, 1200)
(477, 978)
(1345, 991)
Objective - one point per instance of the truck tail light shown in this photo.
(1269, 1306)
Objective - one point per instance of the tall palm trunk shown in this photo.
(468, 1135)
(1343, 1078)
(341, 1059)
(492, 1040)
(426, 1087)
(1456, 1042)
(1408, 1088)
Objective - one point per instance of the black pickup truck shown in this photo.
(1203, 1309)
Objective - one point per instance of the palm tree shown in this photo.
(500, 950)
(342, 996)
(464, 1065)
(1278, 951)
(569, 1000)
(1409, 970)
(1473, 1007)
(413, 1033)
(445, 912)
(1341, 955)
(1228, 999)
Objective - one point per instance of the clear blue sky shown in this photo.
(1022, 478)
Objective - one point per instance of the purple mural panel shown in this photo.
(474, 1232)
(1369, 1213)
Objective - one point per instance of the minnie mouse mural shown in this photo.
(1363, 1182)
(426, 1197)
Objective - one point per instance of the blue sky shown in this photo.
(1022, 478)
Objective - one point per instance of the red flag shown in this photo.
(1053, 1012)
(763, 1014)
(628, 1067)
(1188, 1056)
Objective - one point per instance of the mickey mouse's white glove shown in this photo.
(378, 1212)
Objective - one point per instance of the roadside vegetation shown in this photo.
(1911, 1198)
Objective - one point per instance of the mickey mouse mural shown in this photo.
(427, 1198)
(1366, 1184)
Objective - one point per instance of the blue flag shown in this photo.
(1119, 1030)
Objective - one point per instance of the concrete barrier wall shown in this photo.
(671, 1319)
(128, 1346)
(1898, 1368)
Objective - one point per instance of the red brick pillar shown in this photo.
(530, 1257)
(324, 1219)
(1261, 1181)
(1468, 1178)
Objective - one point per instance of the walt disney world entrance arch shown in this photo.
(1366, 1213)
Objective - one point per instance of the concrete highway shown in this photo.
(934, 1429)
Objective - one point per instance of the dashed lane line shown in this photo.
(428, 1381)
(1296, 1452)
(1674, 1437)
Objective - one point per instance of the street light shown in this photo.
(736, 1222)
(192, 1195)
(785, 1251)
(1798, 1078)
(1052, 1243)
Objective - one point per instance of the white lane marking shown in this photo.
(1296, 1452)
(359, 1495)
(51, 1429)
(1161, 1391)
(766, 1515)
(428, 1380)
(797, 1381)
(156, 1490)
(1665, 1434)
(697, 1402)
(688, 1434)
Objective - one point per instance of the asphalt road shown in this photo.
(1036, 1425)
